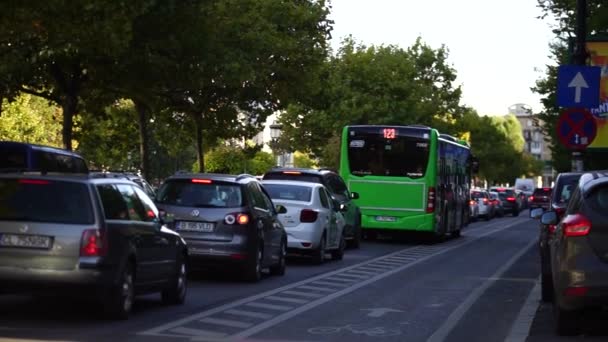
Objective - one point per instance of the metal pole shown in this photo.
(580, 58)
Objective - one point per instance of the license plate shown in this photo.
(385, 218)
(25, 241)
(205, 227)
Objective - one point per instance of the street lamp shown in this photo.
(275, 133)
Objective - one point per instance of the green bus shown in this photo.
(408, 178)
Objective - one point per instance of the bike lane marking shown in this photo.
(188, 327)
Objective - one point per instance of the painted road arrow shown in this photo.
(379, 312)
(578, 82)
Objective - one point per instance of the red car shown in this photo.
(540, 198)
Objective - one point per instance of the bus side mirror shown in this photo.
(354, 195)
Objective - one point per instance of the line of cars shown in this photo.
(496, 202)
(573, 248)
(107, 237)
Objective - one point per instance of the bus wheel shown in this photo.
(369, 235)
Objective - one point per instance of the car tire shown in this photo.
(567, 322)
(318, 255)
(338, 254)
(487, 217)
(546, 286)
(175, 293)
(281, 265)
(355, 243)
(253, 270)
(120, 302)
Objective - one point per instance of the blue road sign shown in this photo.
(578, 86)
(576, 128)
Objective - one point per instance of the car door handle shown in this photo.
(161, 240)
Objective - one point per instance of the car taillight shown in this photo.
(576, 225)
(471, 202)
(237, 218)
(93, 243)
(308, 215)
(511, 199)
(551, 228)
(576, 291)
(531, 198)
(34, 181)
(430, 200)
(485, 201)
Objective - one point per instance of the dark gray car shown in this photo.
(226, 221)
(96, 237)
(579, 252)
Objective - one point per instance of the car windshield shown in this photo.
(189, 193)
(38, 200)
(289, 192)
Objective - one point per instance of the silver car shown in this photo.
(313, 221)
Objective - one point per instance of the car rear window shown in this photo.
(200, 194)
(39, 200)
(294, 176)
(564, 188)
(477, 194)
(542, 192)
(289, 192)
(13, 157)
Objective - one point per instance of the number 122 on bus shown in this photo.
(408, 178)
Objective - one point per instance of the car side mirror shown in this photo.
(536, 213)
(342, 207)
(354, 195)
(549, 218)
(280, 209)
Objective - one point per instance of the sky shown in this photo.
(499, 48)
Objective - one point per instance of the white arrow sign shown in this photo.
(379, 312)
(578, 82)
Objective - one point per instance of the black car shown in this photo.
(338, 190)
(560, 195)
(226, 220)
(579, 252)
(77, 235)
(510, 201)
(541, 198)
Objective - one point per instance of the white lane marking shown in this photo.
(364, 273)
(339, 279)
(269, 306)
(521, 327)
(389, 263)
(226, 322)
(356, 276)
(303, 294)
(316, 288)
(287, 300)
(326, 283)
(287, 315)
(250, 314)
(455, 317)
(198, 332)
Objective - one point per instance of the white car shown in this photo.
(313, 221)
(485, 207)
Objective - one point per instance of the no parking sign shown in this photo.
(576, 128)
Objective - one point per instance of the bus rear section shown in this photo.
(391, 170)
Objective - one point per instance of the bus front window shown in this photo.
(375, 155)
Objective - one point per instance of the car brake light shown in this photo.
(242, 219)
(430, 200)
(531, 198)
(576, 291)
(472, 202)
(92, 243)
(201, 181)
(34, 181)
(239, 218)
(485, 201)
(511, 199)
(576, 225)
(308, 215)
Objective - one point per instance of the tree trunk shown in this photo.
(198, 123)
(69, 106)
(142, 119)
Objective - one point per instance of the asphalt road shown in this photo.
(474, 288)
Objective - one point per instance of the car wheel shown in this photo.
(175, 294)
(279, 268)
(120, 303)
(566, 322)
(357, 232)
(338, 254)
(487, 217)
(253, 272)
(318, 256)
(546, 286)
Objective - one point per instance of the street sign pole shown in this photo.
(580, 58)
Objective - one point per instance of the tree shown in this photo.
(59, 49)
(373, 85)
(303, 160)
(31, 119)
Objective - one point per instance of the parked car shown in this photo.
(579, 253)
(499, 208)
(338, 190)
(85, 236)
(560, 196)
(482, 197)
(313, 221)
(511, 202)
(18, 156)
(226, 219)
(541, 197)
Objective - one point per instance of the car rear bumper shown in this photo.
(305, 238)
(44, 280)
(594, 279)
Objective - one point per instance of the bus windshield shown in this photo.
(377, 155)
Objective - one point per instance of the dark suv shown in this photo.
(541, 197)
(97, 237)
(338, 190)
(226, 219)
(560, 195)
(579, 252)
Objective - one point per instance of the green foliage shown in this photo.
(303, 160)
(31, 119)
(262, 162)
(234, 160)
